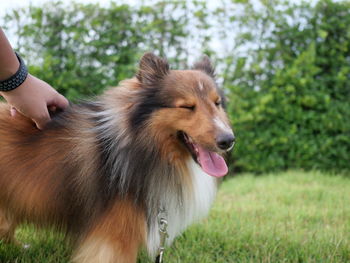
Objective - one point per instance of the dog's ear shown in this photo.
(204, 64)
(152, 69)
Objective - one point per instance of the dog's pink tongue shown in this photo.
(212, 163)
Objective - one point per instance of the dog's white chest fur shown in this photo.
(196, 205)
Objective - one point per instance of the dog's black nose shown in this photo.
(225, 141)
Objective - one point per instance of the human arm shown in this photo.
(34, 97)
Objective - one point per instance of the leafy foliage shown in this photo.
(290, 96)
(82, 48)
(285, 67)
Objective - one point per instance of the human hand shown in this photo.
(34, 98)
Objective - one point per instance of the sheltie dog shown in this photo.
(101, 171)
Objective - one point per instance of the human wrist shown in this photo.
(15, 80)
(10, 69)
(19, 90)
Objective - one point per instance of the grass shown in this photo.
(289, 217)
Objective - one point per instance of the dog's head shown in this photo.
(184, 109)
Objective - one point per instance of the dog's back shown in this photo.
(41, 172)
(53, 178)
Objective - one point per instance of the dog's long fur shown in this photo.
(101, 170)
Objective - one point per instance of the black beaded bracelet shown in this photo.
(17, 79)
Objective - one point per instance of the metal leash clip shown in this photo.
(163, 234)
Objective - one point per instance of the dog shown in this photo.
(103, 171)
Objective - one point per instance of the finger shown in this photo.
(13, 111)
(60, 102)
(52, 108)
(42, 119)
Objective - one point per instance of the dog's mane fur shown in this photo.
(130, 157)
(126, 161)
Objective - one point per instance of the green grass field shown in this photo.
(289, 217)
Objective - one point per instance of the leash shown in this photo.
(163, 234)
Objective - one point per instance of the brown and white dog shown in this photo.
(101, 170)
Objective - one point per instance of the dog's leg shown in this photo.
(115, 238)
(7, 228)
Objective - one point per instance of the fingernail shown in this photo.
(52, 108)
(13, 112)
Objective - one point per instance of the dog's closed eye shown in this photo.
(189, 107)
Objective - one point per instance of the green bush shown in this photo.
(285, 67)
(80, 49)
(291, 105)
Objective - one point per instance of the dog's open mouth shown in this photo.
(211, 162)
